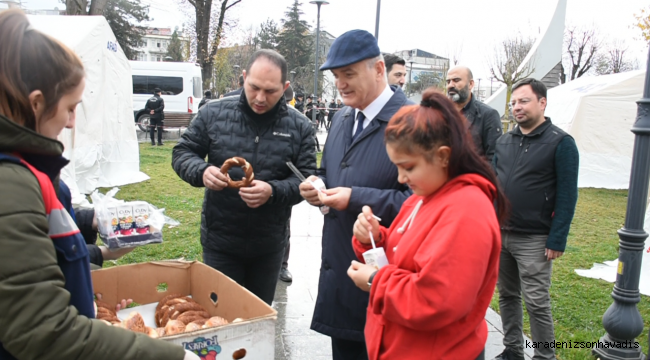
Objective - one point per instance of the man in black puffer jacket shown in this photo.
(244, 231)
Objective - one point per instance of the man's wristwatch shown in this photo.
(372, 276)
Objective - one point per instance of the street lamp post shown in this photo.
(410, 89)
(377, 20)
(293, 75)
(318, 3)
(622, 320)
(491, 90)
(478, 93)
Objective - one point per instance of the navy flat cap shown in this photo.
(350, 48)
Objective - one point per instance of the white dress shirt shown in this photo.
(371, 111)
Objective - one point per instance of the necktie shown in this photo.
(360, 119)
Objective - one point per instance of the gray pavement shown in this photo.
(295, 302)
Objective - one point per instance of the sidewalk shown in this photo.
(295, 302)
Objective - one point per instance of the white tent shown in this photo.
(599, 112)
(103, 147)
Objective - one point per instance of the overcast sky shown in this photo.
(440, 27)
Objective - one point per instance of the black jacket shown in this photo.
(331, 111)
(526, 168)
(300, 106)
(364, 166)
(157, 104)
(203, 102)
(234, 92)
(226, 128)
(485, 126)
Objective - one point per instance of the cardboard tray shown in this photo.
(218, 294)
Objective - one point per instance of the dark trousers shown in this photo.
(257, 274)
(285, 259)
(348, 350)
(153, 125)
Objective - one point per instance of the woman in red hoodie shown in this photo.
(443, 248)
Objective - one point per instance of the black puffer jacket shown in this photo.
(226, 128)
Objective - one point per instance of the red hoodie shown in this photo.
(430, 301)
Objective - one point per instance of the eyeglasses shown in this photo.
(523, 102)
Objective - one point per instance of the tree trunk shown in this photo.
(97, 7)
(76, 7)
(506, 114)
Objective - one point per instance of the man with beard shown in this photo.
(244, 231)
(396, 69)
(484, 122)
(357, 171)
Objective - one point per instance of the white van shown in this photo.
(181, 85)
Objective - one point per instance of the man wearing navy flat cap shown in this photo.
(357, 171)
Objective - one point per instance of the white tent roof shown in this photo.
(599, 112)
(103, 147)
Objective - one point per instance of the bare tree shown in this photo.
(209, 34)
(80, 7)
(506, 65)
(455, 52)
(582, 46)
(615, 59)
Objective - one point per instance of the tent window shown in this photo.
(146, 84)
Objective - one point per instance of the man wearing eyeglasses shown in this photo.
(537, 166)
(484, 122)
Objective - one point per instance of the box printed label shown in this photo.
(206, 349)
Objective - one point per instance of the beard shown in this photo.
(458, 96)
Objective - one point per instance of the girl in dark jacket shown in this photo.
(46, 307)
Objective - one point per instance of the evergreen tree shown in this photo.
(295, 43)
(175, 48)
(123, 17)
(267, 38)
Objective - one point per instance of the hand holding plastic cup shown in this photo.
(376, 257)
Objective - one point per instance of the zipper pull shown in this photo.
(257, 139)
(521, 143)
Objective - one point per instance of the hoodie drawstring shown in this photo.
(409, 221)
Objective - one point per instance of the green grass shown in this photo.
(578, 303)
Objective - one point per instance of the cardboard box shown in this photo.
(217, 293)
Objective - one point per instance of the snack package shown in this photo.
(141, 217)
(128, 224)
(125, 217)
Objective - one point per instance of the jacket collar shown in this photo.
(43, 153)
(537, 131)
(396, 102)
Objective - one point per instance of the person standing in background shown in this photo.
(156, 107)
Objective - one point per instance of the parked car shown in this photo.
(181, 85)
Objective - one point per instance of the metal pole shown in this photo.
(622, 320)
(410, 72)
(377, 20)
(315, 101)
